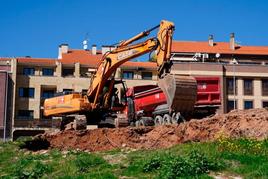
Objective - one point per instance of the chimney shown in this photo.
(232, 41)
(63, 48)
(104, 49)
(94, 50)
(210, 40)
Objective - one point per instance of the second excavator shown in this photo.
(99, 105)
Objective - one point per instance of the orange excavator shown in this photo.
(99, 105)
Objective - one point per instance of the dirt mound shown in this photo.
(248, 123)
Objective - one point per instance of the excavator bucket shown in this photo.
(180, 92)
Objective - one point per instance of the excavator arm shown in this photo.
(127, 51)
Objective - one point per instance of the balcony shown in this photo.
(36, 123)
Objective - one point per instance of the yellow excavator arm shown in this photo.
(127, 51)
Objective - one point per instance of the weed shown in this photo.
(194, 163)
(242, 145)
(55, 154)
(30, 168)
(244, 157)
(85, 161)
(154, 164)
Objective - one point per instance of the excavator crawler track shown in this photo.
(180, 92)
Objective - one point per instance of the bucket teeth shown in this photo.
(180, 92)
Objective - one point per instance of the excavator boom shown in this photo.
(125, 52)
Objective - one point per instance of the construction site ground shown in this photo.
(233, 145)
(251, 123)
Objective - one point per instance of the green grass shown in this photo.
(247, 158)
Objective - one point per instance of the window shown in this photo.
(146, 75)
(230, 86)
(248, 104)
(84, 72)
(48, 94)
(265, 104)
(230, 105)
(68, 72)
(128, 74)
(248, 87)
(265, 87)
(67, 91)
(48, 72)
(28, 71)
(84, 91)
(25, 114)
(26, 92)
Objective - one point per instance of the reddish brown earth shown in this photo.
(249, 123)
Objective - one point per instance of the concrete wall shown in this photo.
(6, 103)
(3, 82)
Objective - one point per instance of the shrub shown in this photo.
(194, 163)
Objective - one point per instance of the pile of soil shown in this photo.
(248, 123)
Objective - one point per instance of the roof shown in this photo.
(4, 58)
(218, 47)
(82, 56)
(140, 64)
(87, 58)
(49, 61)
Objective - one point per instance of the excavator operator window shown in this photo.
(114, 98)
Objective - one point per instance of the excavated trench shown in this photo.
(248, 123)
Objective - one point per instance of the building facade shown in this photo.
(6, 98)
(242, 71)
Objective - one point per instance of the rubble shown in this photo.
(251, 123)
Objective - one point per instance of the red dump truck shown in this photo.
(148, 103)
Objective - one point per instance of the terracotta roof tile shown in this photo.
(36, 60)
(219, 47)
(82, 56)
(4, 58)
(86, 57)
(140, 64)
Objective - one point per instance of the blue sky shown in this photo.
(37, 27)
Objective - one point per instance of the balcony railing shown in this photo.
(37, 123)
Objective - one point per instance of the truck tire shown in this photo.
(174, 118)
(177, 118)
(167, 119)
(147, 121)
(158, 120)
(139, 123)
